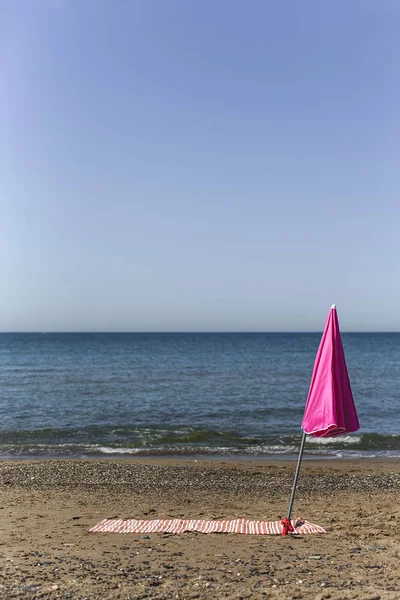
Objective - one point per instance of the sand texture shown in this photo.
(48, 507)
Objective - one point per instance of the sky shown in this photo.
(213, 165)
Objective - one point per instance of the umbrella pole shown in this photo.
(303, 442)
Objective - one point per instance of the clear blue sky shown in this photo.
(199, 165)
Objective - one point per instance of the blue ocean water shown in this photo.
(201, 394)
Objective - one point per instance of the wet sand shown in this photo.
(48, 507)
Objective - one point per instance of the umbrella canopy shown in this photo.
(330, 409)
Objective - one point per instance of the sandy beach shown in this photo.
(48, 507)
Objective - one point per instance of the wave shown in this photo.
(346, 440)
(186, 440)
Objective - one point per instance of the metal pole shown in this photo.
(303, 441)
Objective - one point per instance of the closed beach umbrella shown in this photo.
(330, 409)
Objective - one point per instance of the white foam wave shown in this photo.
(107, 450)
(223, 450)
(348, 440)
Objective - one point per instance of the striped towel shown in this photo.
(246, 526)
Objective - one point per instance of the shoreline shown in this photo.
(212, 458)
(320, 466)
(48, 507)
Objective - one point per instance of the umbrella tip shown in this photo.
(333, 306)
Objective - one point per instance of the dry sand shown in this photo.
(48, 507)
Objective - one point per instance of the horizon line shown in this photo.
(192, 332)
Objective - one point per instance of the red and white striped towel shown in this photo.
(245, 526)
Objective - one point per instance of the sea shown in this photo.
(214, 395)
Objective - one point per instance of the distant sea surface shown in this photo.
(201, 394)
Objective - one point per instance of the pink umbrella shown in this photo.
(330, 409)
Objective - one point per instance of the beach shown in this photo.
(48, 507)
